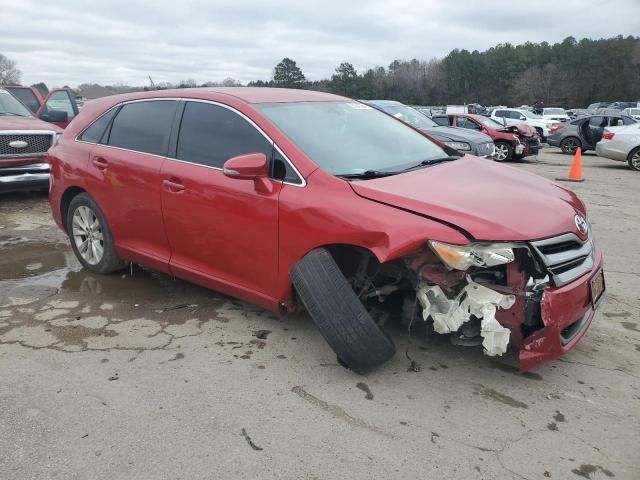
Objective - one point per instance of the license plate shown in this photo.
(596, 287)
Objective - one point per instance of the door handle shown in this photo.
(100, 163)
(174, 185)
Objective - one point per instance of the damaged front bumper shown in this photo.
(541, 318)
(566, 313)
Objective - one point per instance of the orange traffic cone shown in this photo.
(575, 174)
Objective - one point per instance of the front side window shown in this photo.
(464, 122)
(61, 101)
(9, 106)
(26, 96)
(346, 138)
(143, 126)
(210, 135)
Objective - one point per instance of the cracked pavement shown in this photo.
(139, 375)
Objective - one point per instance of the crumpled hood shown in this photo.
(458, 134)
(8, 122)
(490, 201)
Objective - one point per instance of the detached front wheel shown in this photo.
(339, 314)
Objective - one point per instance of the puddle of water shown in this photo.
(29, 270)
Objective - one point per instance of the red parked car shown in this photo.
(24, 141)
(281, 197)
(513, 142)
(58, 106)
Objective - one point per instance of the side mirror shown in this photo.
(251, 166)
(54, 116)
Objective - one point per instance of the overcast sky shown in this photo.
(123, 41)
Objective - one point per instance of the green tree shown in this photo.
(345, 81)
(288, 75)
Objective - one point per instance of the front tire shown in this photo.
(570, 145)
(503, 152)
(339, 314)
(91, 237)
(634, 159)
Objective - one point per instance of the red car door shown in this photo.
(56, 104)
(223, 232)
(124, 178)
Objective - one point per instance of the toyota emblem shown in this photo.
(581, 223)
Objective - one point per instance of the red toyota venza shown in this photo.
(291, 197)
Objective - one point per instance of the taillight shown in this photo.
(556, 127)
(608, 135)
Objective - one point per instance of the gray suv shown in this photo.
(462, 139)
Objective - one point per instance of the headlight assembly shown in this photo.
(458, 145)
(463, 257)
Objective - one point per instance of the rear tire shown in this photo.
(91, 237)
(634, 159)
(503, 152)
(339, 314)
(570, 145)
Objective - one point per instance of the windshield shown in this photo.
(554, 111)
(10, 106)
(409, 115)
(349, 137)
(489, 122)
(529, 114)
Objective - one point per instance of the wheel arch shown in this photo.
(65, 201)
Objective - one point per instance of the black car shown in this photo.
(584, 132)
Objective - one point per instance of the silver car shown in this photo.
(621, 144)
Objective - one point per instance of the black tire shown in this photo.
(340, 316)
(634, 159)
(503, 152)
(569, 145)
(110, 261)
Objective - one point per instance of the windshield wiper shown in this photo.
(12, 114)
(433, 161)
(367, 174)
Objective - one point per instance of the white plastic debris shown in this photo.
(474, 299)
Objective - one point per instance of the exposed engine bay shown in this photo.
(479, 295)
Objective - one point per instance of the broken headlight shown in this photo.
(462, 257)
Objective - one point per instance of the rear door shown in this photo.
(59, 101)
(124, 178)
(223, 232)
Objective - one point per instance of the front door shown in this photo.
(223, 232)
(59, 101)
(125, 179)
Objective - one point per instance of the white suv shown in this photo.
(515, 115)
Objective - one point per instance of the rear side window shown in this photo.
(94, 133)
(143, 126)
(26, 96)
(501, 113)
(442, 121)
(210, 135)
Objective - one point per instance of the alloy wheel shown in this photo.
(501, 152)
(635, 161)
(569, 145)
(88, 235)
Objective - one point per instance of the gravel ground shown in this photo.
(141, 376)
